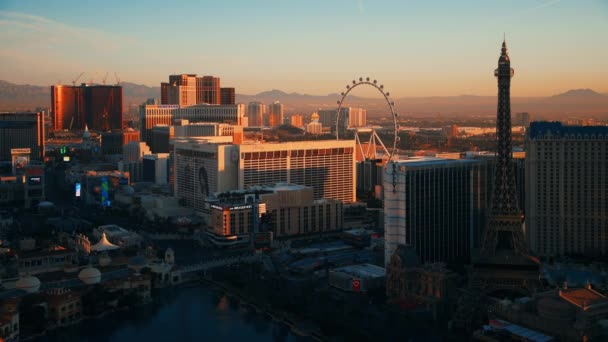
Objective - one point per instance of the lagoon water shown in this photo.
(184, 314)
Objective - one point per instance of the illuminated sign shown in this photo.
(77, 189)
(105, 199)
(21, 151)
(34, 181)
(240, 207)
(356, 284)
(66, 158)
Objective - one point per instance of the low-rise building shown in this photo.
(9, 320)
(410, 283)
(45, 260)
(64, 307)
(569, 314)
(358, 278)
(286, 210)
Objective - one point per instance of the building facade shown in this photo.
(328, 166)
(297, 120)
(189, 89)
(203, 168)
(275, 114)
(349, 117)
(256, 112)
(434, 205)
(21, 134)
(227, 96)
(156, 168)
(291, 210)
(567, 189)
(152, 115)
(98, 106)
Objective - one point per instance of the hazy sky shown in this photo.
(416, 48)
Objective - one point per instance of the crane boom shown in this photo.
(77, 78)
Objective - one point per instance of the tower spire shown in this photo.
(504, 229)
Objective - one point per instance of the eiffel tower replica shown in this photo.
(504, 264)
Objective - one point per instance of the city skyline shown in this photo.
(310, 48)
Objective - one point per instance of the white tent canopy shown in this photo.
(103, 245)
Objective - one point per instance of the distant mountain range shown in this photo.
(583, 102)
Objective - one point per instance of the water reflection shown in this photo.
(187, 314)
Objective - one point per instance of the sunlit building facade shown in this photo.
(100, 107)
(152, 115)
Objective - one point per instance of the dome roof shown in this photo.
(90, 275)
(29, 284)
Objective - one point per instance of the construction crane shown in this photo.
(117, 79)
(104, 78)
(77, 78)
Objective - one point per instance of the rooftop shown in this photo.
(434, 161)
(583, 297)
(557, 129)
(363, 270)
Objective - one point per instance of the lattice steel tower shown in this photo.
(504, 230)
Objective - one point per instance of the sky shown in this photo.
(415, 48)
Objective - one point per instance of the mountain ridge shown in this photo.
(571, 102)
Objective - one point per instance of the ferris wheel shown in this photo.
(391, 105)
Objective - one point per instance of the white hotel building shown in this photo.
(203, 168)
(152, 115)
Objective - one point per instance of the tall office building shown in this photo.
(357, 117)
(203, 168)
(275, 114)
(155, 168)
(189, 89)
(100, 107)
(567, 189)
(132, 159)
(181, 90)
(208, 90)
(256, 112)
(67, 107)
(152, 115)
(435, 205)
(228, 96)
(112, 142)
(349, 117)
(21, 137)
(297, 120)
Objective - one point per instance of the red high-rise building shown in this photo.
(98, 106)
